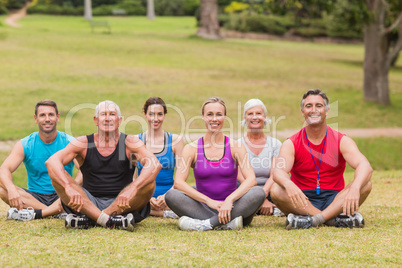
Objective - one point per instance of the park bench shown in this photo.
(103, 24)
(119, 12)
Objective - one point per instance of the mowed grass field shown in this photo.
(60, 59)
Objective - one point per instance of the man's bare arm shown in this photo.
(363, 171)
(283, 164)
(11, 163)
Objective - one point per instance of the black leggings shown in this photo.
(245, 206)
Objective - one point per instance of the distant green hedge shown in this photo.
(279, 25)
(106, 7)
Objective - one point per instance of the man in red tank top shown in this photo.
(314, 193)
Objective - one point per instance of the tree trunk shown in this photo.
(209, 20)
(150, 10)
(376, 64)
(88, 10)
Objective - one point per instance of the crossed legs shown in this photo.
(282, 201)
(245, 206)
(30, 201)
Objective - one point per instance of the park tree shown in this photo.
(209, 24)
(381, 48)
(88, 9)
(150, 9)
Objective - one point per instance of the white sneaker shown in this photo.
(235, 224)
(25, 214)
(278, 213)
(186, 223)
(170, 214)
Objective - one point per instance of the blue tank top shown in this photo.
(36, 152)
(215, 179)
(164, 180)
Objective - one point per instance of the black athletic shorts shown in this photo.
(46, 199)
(104, 202)
(323, 200)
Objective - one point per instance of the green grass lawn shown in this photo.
(158, 242)
(60, 59)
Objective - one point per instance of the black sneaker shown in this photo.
(298, 222)
(79, 222)
(353, 221)
(121, 222)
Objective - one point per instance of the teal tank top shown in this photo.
(164, 180)
(36, 152)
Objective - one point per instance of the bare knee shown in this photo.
(276, 192)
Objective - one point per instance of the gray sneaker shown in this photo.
(186, 223)
(278, 213)
(78, 222)
(170, 214)
(353, 221)
(235, 224)
(25, 214)
(298, 222)
(61, 216)
(121, 222)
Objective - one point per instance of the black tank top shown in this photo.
(106, 176)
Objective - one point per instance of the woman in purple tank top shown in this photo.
(216, 161)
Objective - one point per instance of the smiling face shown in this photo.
(108, 119)
(255, 118)
(214, 116)
(47, 119)
(314, 110)
(155, 116)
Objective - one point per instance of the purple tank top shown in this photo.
(215, 179)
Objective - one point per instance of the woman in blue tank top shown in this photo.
(166, 147)
(216, 160)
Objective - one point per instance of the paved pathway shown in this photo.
(281, 134)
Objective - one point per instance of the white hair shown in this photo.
(251, 104)
(107, 102)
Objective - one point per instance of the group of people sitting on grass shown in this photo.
(122, 179)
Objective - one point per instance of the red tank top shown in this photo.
(304, 172)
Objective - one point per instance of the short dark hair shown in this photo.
(315, 92)
(46, 103)
(152, 101)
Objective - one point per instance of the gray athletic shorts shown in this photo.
(46, 199)
(104, 202)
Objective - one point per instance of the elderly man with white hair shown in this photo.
(261, 149)
(108, 195)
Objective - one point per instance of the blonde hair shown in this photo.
(251, 104)
(213, 100)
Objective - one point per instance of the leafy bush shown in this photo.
(3, 9)
(55, 10)
(264, 24)
(190, 7)
(132, 7)
(103, 10)
(236, 7)
(176, 7)
(14, 4)
(346, 20)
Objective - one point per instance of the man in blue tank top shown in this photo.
(40, 199)
(108, 196)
